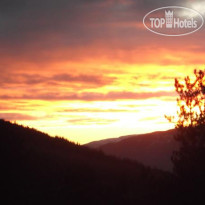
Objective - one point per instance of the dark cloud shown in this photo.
(35, 79)
(90, 96)
(36, 30)
(68, 22)
(16, 116)
(150, 4)
(92, 79)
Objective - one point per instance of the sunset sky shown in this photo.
(89, 69)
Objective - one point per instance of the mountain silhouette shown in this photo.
(39, 169)
(152, 149)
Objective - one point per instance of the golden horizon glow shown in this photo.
(86, 120)
(83, 77)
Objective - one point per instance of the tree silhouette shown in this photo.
(189, 160)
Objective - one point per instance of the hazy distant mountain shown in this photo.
(153, 149)
(96, 144)
(39, 169)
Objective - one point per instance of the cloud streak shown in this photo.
(38, 31)
(91, 96)
(17, 116)
(91, 121)
(87, 110)
(35, 79)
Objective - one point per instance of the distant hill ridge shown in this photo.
(152, 149)
(39, 169)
